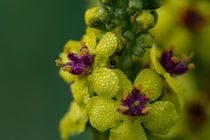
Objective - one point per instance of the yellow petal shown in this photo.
(103, 113)
(73, 122)
(80, 91)
(128, 130)
(151, 82)
(105, 82)
(106, 47)
(161, 117)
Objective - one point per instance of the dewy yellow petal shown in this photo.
(74, 121)
(128, 130)
(124, 83)
(90, 41)
(161, 117)
(67, 77)
(80, 91)
(105, 82)
(92, 17)
(74, 46)
(106, 47)
(93, 30)
(151, 82)
(103, 113)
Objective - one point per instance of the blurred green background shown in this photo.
(33, 96)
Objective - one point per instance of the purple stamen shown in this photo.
(173, 67)
(133, 104)
(80, 64)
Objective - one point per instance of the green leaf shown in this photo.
(80, 91)
(151, 82)
(103, 113)
(105, 82)
(74, 121)
(161, 117)
(155, 55)
(128, 130)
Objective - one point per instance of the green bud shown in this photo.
(123, 24)
(119, 13)
(127, 61)
(145, 20)
(145, 40)
(107, 2)
(129, 35)
(134, 6)
(138, 51)
(104, 15)
(92, 17)
(121, 41)
(152, 4)
(112, 24)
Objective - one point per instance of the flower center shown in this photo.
(192, 19)
(174, 65)
(134, 104)
(78, 64)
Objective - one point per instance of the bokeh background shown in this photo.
(33, 96)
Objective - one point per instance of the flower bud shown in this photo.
(138, 51)
(92, 17)
(145, 40)
(134, 6)
(104, 15)
(112, 24)
(108, 2)
(129, 35)
(121, 41)
(145, 20)
(119, 13)
(127, 61)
